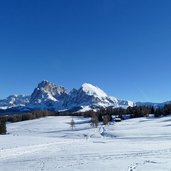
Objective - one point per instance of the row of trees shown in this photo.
(102, 115)
(105, 115)
(134, 112)
(95, 119)
(164, 111)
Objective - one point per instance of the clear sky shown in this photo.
(122, 46)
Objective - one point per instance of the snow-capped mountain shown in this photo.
(14, 101)
(48, 96)
(126, 103)
(89, 95)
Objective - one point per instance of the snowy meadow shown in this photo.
(50, 144)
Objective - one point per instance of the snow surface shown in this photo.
(50, 144)
(93, 91)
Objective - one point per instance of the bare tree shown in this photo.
(106, 119)
(94, 120)
(72, 124)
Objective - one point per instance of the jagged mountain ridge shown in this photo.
(48, 96)
(89, 95)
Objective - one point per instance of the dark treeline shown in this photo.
(27, 116)
(102, 115)
(134, 112)
(105, 115)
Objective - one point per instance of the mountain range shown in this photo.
(48, 96)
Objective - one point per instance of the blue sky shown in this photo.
(123, 46)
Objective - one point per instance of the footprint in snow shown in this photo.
(132, 168)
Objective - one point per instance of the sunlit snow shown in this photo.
(50, 144)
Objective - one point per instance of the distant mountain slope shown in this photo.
(14, 101)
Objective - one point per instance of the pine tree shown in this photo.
(152, 110)
(3, 129)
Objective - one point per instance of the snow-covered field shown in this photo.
(50, 144)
